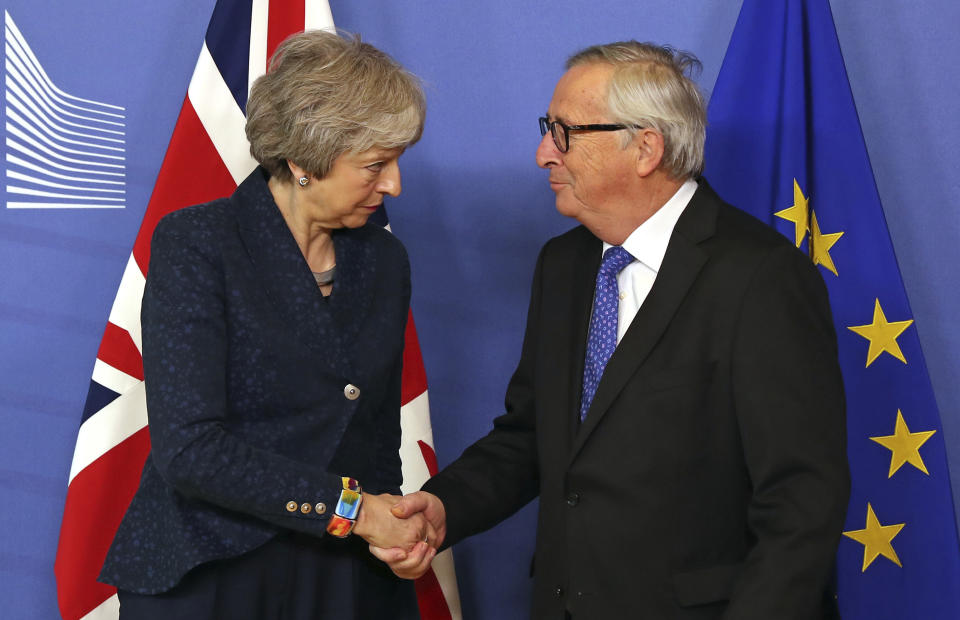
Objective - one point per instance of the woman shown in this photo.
(273, 326)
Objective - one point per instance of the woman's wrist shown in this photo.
(363, 527)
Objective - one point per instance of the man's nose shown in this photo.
(547, 152)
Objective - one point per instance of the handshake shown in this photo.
(404, 532)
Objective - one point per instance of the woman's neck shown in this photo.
(313, 239)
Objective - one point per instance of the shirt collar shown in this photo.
(648, 242)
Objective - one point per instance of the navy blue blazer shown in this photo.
(247, 371)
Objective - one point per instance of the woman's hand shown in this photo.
(406, 565)
(379, 527)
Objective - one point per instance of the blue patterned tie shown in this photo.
(602, 339)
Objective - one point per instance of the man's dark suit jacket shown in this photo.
(709, 479)
(246, 366)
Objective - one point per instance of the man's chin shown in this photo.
(566, 207)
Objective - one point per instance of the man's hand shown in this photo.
(378, 526)
(430, 506)
(410, 564)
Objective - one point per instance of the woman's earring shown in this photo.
(303, 181)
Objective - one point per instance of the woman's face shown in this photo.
(353, 189)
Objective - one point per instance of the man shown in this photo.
(700, 471)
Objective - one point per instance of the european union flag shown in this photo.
(784, 143)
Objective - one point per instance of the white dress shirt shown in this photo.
(647, 244)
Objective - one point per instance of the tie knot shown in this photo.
(615, 259)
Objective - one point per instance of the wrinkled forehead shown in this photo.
(581, 94)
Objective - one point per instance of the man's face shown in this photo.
(592, 179)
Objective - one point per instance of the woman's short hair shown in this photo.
(324, 95)
(652, 87)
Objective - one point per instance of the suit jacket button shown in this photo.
(558, 591)
(573, 499)
(320, 508)
(291, 506)
(351, 391)
(305, 508)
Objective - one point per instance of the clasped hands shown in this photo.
(403, 532)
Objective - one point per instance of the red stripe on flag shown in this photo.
(283, 21)
(414, 380)
(429, 457)
(118, 349)
(97, 499)
(430, 600)
(192, 173)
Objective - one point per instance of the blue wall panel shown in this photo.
(474, 212)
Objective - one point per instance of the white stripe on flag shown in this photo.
(125, 312)
(107, 610)
(220, 116)
(317, 16)
(111, 378)
(101, 432)
(257, 56)
(447, 578)
(414, 427)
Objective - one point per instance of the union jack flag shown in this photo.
(208, 156)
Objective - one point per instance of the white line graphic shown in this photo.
(63, 151)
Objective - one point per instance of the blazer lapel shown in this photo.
(355, 283)
(681, 265)
(283, 273)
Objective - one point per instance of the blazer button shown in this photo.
(305, 508)
(320, 508)
(558, 592)
(351, 391)
(291, 506)
(573, 499)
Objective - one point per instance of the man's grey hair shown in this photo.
(325, 95)
(652, 87)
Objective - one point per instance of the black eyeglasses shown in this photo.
(561, 132)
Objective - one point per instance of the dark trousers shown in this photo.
(293, 577)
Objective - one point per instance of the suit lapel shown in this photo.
(326, 326)
(681, 265)
(585, 269)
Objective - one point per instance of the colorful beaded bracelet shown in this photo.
(348, 507)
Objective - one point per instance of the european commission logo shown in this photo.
(62, 151)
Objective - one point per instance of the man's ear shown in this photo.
(649, 150)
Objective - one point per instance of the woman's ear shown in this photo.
(296, 170)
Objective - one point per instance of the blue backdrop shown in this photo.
(474, 212)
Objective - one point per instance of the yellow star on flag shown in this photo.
(797, 213)
(876, 539)
(882, 335)
(821, 243)
(904, 446)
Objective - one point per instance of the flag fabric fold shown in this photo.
(207, 157)
(784, 143)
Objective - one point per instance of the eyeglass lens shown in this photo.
(557, 131)
(559, 136)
